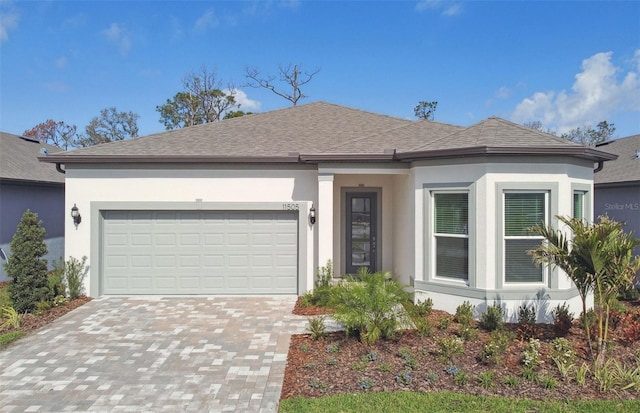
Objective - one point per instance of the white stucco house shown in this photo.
(253, 205)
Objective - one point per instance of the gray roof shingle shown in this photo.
(19, 160)
(624, 169)
(322, 131)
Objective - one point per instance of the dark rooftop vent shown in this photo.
(636, 155)
(44, 151)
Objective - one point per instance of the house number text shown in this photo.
(291, 207)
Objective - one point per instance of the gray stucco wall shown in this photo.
(45, 200)
(621, 203)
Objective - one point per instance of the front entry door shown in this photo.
(361, 228)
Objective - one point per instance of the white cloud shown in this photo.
(118, 36)
(502, 93)
(206, 21)
(246, 104)
(598, 92)
(8, 21)
(446, 8)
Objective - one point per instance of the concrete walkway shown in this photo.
(193, 354)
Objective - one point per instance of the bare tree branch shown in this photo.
(291, 75)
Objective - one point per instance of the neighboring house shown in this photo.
(253, 205)
(25, 184)
(617, 186)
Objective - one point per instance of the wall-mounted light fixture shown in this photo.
(312, 215)
(75, 214)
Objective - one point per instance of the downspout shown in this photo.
(600, 166)
(62, 171)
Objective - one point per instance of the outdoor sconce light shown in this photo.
(75, 214)
(312, 215)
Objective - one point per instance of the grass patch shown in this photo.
(444, 401)
(10, 337)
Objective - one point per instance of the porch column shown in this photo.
(324, 223)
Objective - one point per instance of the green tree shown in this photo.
(203, 100)
(598, 258)
(26, 267)
(589, 136)
(236, 114)
(425, 110)
(110, 126)
(54, 133)
(291, 76)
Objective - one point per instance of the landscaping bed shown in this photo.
(339, 364)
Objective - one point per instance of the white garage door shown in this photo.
(196, 252)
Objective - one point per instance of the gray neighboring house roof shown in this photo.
(322, 131)
(19, 160)
(624, 170)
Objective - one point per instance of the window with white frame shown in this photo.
(523, 210)
(578, 204)
(451, 235)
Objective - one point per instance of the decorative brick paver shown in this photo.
(131, 354)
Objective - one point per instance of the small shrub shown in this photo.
(530, 374)
(562, 319)
(317, 327)
(365, 383)
(452, 370)
(310, 365)
(464, 314)
(307, 299)
(318, 384)
(581, 374)
(431, 377)
(11, 317)
(495, 347)
(26, 266)
(408, 357)
(56, 280)
(424, 327)
(304, 347)
(493, 318)
(485, 379)
(448, 347)
(628, 292)
(333, 348)
(629, 327)
(526, 322)
(461, 378)
(359, 366)
(563, 355)
(321, 295)
(404, 377)
(444, 322)
(424, 308)
(606, 375)
(59, 300)
(385, 367)
(548, 382)
(371, 356)
(467, 333)
(531, 354)
(332, 361)
(75, 270)
(511, 381)
(42, 307)
(372, 306)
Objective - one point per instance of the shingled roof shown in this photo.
(19, 160)
(625, 169)
(326, 132)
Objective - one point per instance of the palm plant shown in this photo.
(598, 259)
(371, 305)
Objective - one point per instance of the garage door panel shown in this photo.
(199, 252)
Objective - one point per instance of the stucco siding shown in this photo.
(173, 185)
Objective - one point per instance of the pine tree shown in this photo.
(26, 267)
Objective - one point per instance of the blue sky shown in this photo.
(565, 64)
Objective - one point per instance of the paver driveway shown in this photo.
(116, 354)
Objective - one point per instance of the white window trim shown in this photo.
(429, 248)
(551, 189)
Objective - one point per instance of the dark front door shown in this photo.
(361, 226)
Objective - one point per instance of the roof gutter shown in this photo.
(59, 169)
(577, 151)
(108, 159)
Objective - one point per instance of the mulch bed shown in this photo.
(313, 370)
